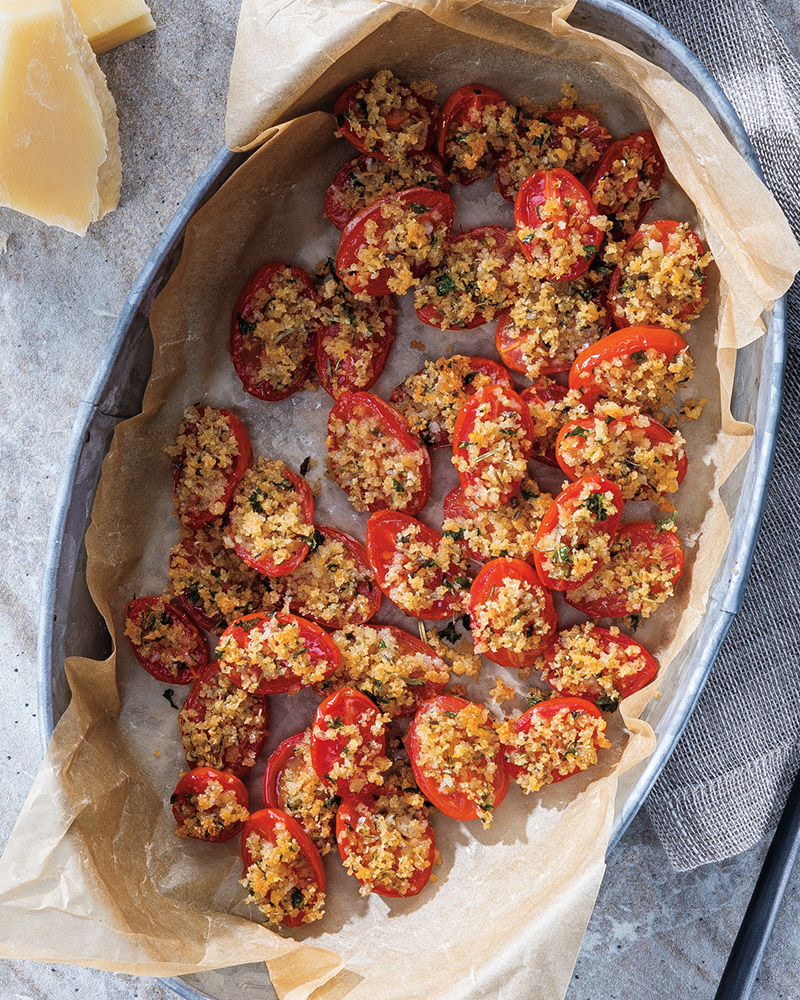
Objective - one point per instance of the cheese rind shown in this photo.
(108, 23)
(59, 139)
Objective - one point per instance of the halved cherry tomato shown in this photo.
(625, 349)
(684, 299)
(348, 743)
(568, 123)
(369, 262)
(636, 483)
(492, 442)
(473, 282)
(165, 641)
(272, 348)
(364, 116)
(555, 219)
(367, 178)
(624, 182)
(404, 554)
(209, 823)
(342, 606)
(276, 486)
(283, 757)
(625, 585)
(368, 829)
(308, 872)
(545, 400)
(361, 425)
(510, 612)
(485, 533)
(254, 652)
(431, 398)
(472, 785)
(462, 118)
(230, 739)
(202, 494)
(547, 763)
(566, 535)
(601, 683)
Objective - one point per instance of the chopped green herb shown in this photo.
(169, 695)
(246, 327)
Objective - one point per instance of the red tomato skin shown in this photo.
(620, 344)
(335, 210)
(463, 104)
(195, 612)
(347, 813)
(457, 506)
(550, 519)
(197, 781)
(616, 299)
(546, 710)
(276, 765)
(441, 209)
(264, 564)
(349, 705)
(561, 185)
(346, 409)
(648, 147)
(537, 394)
(499, 399)
(343, 103)
(196, 643)
(657, 433)
(359, 553)
(243, 462)
(378, 347)
(666, 549)
(484, 366)
(382, 529)
(456, 804)
(194, 701)
(628, 685)
(264, 823)
(245, 356)
(430, 314)
(492, 576)
(317, 642)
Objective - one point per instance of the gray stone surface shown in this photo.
(654, 933)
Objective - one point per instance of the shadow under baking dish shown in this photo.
(69, 623)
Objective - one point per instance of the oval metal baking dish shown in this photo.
(69, 623)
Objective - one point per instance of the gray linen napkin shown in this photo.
(726, 783)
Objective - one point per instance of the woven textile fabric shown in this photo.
(726, 783)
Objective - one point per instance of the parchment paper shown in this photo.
(93, 873)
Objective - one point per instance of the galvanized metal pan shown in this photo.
(69, 623)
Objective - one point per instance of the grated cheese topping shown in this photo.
(280, 880)
(494, 453)
(577, 541)
(206, 450)
(508, 530)
(226, 728)
(305, 798)
(208, 813)
(327, 586)
(420, 573)
(512, 619)
(273, 650)
(581, 664)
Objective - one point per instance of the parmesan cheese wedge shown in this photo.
(59, 136)
(108, 23)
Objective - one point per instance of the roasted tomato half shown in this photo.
(275, 654)
(599, 664)
(366, 178)
(348, 743)
(473, 131)
(645, 564)
(431, 398)
(165, 641)
(210, 805)
(273, 330)
(492, 442)
(386, 246)
(575, 534)
(557, 224)
(548, 404)
(424, 573)
(211, 455)
(511, 614)
(457, 758)
(386, 117)
(661, 277)
(624, 182)
(552, 741)
(387, 842)
(640, 366)
(222, 726)
(283, 871)
(374, 457)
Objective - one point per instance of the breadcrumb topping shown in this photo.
(280, 880)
